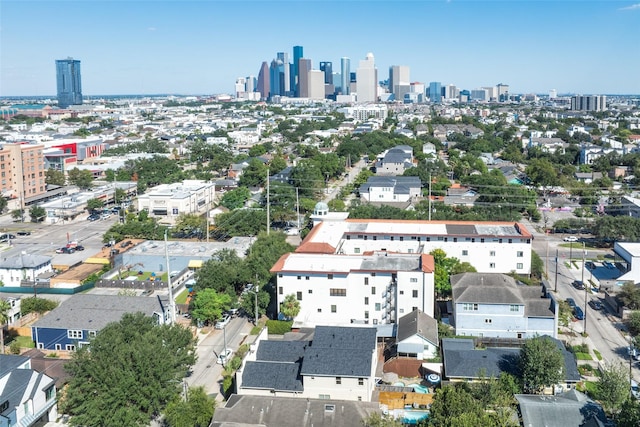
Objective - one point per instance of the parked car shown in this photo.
(23, 233)
(105, 215)
(570, 239)
(578, 313)
(220, 324)
(578, 284)
(224, 356)
(125, 243)
(571, 302)
(595, 304)
(635, 390)
(93, 217)
(65, 250)
(78, 248)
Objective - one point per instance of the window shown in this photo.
(58, 346)
(520, 254)
(487, 321)
(492, 253)
(366, 280)
(299, 296)
(280, 290)
(366, 314)
(330, 276)
(74, 334)
(366, 300)
(337, 292)
(319, 310)
(324, 396)
(50, 393)
(514, 308)
(360, 381)
(401, 310)
(70, 347)
(338, 380)
(92, 334)
(374, 274)
(519, 266)
(310, 291)
(334, 309)
(306, 277)
(377, 306)
(299, 277)
(356, 250)
(414, 308)
(413, 280)
(414, 293)
(280, 275)
(373, 290)
(401, 292)
(492, 265)
(470, 307)
(465, 253)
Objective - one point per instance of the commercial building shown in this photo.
(399, 81)
(298, 53)
(345, 75)
(304, 67)
(264, 86)
(316, 84)
(367, 80)
(22, 172)
(68, 82)
(435, 92)
(167, 201)
(589, 103)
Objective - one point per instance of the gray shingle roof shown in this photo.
(94, 312)
(418, 323)
(281, 351)
(571, 408)
(9, 362)
(21, 261)
(279, 376)
(470, 363)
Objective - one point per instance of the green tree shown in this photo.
(633, 323)
(537, 265)
(241, 222)
(190, 222)
(37, 213)
(248, 302)
(444, 268)
(454, 406)
(236, 198)
(95, 204)
(17, 214)
(129, 374)
(196, 411)
(4, 318)
(629, 295)
(54, 177)
(254, 175)
(208, 305)
(542, 172)
(278, 163)
(80, 178)
(290, 307)
(3, 204)
(541, 364)
(376, 419)
(629, 415)
(612, 388)
(225, 273)
(36, 305)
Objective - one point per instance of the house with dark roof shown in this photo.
(339, 362)
(77, 320)
(270, 411)
(15, 269)
(496, 305)
(395, 161)
(570, 408)
(393, 189)
(27, 397)
(417, 335)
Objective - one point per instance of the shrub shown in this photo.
(279, 327)
(227, 383)
(38, 305)
(14, 347)
(242, 351)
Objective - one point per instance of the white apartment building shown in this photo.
(491, 247)
(336, 290)
(365, 112)
(316, 84)
(167, 201)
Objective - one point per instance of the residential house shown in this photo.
(587, 177)
(384, 189)
(14, 309)
(374, 288)
(395, 161)
(571, 408)
(458, 195)
(78, 319)
(548, 145)
(496, 305)
(337, 363)
(417, 335)
(589, 153)
(284, 176)
(630, 206)
(23, 267)
(429, 149)
(27, 397)
(270, 411)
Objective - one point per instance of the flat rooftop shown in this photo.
(189, 249)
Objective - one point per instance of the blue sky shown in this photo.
(201, 47)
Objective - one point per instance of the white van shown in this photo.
(224, 321)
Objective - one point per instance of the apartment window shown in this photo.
(74, 334)
(299, 277)
(373, 290)
(324, 396)
(337, 292)
(514, 308)
(306, 277)
(492, 253)
(70, 347)
(299, 296)
(375, 237)
(482, 240)
(330, 276)
(366, 300)
(50, 393)
(492, 265)
(92, 334)
(413, 280)
(338, 380)
(356, 250)
(401, 310)
(366, 280)
(414, 308)
(465, 253)
(348, 237)
(280, 290)
(360, 381)
(334, 309)
(310, 291)
(58, 346)
(487, 321)
(410, 250)
(280, 275)
(366, 314)
(414, 293)
(319, 310)
(374, 274)
(377, 306)
(520, 254)
(401, 292)
(519, 266)
(470, 307)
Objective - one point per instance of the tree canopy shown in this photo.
(541, 364)
(131, 371)
(612, 388)
(194, 411)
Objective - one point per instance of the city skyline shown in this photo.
(202, 47)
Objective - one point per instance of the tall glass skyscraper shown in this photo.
(345, 70)
(295, 77)
(435, 92)
(327, 68)
(68, 82)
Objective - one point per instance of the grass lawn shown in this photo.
(583, 356)
(25, 342)
(598, 355)
(182, 297)
(589, 387)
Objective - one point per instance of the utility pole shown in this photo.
(429, 196)
(584, 253)
(268, 206)
(556, 290)
(298, 209)
(546, 263)
(172, 307)
(256, 289)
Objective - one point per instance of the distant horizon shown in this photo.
(203, 46)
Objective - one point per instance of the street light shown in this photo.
(172, 310)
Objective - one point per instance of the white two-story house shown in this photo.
(496, 305)
(372, 289)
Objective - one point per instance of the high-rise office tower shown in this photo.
(68, 82)
(492, 93)
(503, 92)
(275, 78)
(295, 76)
(263, 81)
(345, 71)
(285, 70)
(399, 81)
(327, 68)
(304, 66)
(251, 84)
(315, 84)
(451, 92)
(589, 103)
(435, 92)
(367, 80)
(553, 94)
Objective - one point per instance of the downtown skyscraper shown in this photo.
(345, 76)
(68, 81)
(295, 74)
(367, 80)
